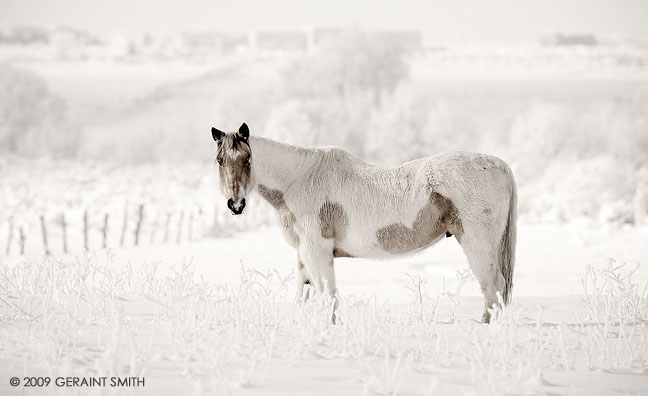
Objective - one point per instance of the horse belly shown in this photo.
(397, 241)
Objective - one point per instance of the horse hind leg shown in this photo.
(483, 260)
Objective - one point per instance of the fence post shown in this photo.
(138, 227)
(85, 230)
(180, 221)
(153, 231)
(124, 225)
(10, 237)
(200, 222)
(104, 231)
(166, 228)
(22, 241)
(190, 227)
(44, 233)
(64, 230)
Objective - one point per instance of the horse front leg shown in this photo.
(303, 282)
(317, 258)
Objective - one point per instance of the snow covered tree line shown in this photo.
(355, 91)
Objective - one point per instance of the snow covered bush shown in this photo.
(33, 120)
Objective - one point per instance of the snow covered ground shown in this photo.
(551, 260)
(218, 317)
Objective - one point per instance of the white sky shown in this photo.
(479, 20)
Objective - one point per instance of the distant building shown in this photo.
(408, 39)
(320, 35)
(70, 36)
(203, 41)
(563, 40)
(25, 35)
(71, 43)
(206, 43)
(310, 38)
(289, 41)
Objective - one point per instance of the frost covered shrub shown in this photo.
(618, 305)
(591, 188)
(612, 294)
(410, 125)
(287, 118)
(332, 95)
(347, 63)
(33, 120)
(329, 121)
(579, 159)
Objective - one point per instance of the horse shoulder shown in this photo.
(287, 219)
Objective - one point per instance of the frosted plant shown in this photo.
(611, 294)
(420, 297)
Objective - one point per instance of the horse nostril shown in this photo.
(236, 209)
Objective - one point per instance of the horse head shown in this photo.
(234, 162)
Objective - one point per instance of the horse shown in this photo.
(331, 204)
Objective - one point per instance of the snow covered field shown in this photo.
(115, 151)
(218, 317)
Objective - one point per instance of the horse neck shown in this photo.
(278, 165)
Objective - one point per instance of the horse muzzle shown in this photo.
(236, 207)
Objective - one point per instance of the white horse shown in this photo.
(331, 204)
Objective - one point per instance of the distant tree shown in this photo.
(410, 125)
(33, 120)
(399, 130)
(347, 63)
(333, 93)
(290, 123)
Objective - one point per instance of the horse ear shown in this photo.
(244, 131)
(216, 134)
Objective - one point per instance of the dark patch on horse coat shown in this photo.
(449, 214)
(337, 252)
(333, 225)
(287, 218)
(439, 216)
(333, 220)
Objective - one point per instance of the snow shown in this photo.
(217, 316)
(543, 252)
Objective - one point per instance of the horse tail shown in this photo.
(507, 244)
